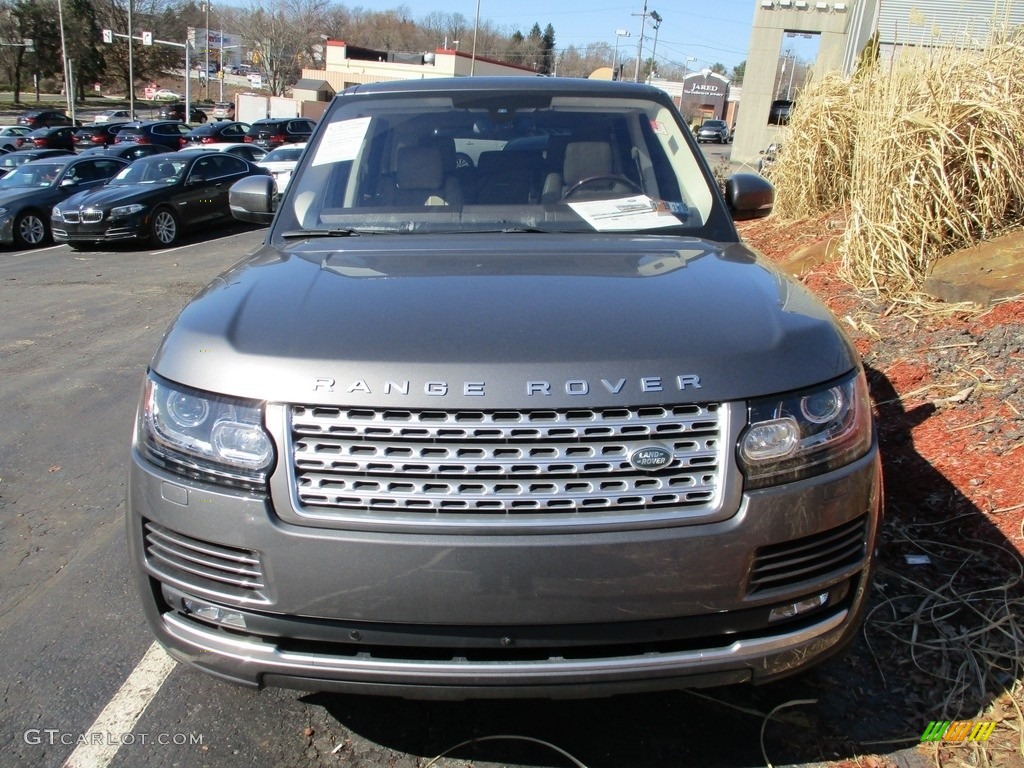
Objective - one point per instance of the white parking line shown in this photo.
(99, 745)
(186, 246)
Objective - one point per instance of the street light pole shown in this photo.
(131, 63)
(206, 45)
(654, 62)
(615, 60)
(64, 58)
(476, 26)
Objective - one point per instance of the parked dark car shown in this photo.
(217, 132)
(176, 111)
(44, 118)
(129, 150)
(713, 130)
(29, 192)
(779, 112)
(166, 132)
(274, 131)
(62, 137)
(12, 160)
(97, 135)
(155, 198)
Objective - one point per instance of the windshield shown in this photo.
(32, 175)
(283, 154)
(467, 161)
(151, 170)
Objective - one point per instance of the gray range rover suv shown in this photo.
(503, 407)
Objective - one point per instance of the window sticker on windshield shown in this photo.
(341, 141)
(637, 212)
(659, 128)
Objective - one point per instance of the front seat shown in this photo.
(420, 178)
(583, 160)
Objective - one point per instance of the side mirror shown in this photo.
(195, 180)
(253, 199)
(749, 196)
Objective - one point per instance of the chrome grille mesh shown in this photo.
(358, 459)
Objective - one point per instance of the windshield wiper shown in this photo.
(338, 232)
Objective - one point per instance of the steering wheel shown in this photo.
(617, 183)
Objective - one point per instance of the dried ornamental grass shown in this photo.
(923, 152)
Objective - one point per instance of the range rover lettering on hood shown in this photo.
(532, 388)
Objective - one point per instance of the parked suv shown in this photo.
(714, 130)
(535, 424)
(176, 111)
(275, 131)
(44, 118)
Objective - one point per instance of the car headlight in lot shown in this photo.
(126, 210)
(795, 436)
(204, 436)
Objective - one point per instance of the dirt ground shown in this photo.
(945, 636)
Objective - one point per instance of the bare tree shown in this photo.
(280, 36)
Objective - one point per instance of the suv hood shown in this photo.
(486, 320)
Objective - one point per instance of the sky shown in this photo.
(701, 33)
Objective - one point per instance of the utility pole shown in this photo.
(640, 43)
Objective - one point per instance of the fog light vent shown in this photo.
(795, 609)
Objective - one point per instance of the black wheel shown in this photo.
(163, 227)
(614, 184)
(30, 230)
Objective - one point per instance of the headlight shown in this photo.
(126, 210)
(204, 436)
(791, 437)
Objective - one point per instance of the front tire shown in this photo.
(30, 230)
(163, 227)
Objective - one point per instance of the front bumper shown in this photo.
(476, 616)
(107, 230)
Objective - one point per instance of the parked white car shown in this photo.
(281, 162)
(113, 116)
(166, 94)
(9, 135)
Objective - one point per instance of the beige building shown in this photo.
(842, 29)
(347, 65)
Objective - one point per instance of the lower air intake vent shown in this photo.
(204, 568)
(810, 559)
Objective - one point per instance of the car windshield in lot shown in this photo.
(35, 174)
(427, 162)
(164, 168)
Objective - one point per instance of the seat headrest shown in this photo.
(419, 167)
(584, 159)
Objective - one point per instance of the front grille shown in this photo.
(204, 567)
(502, 462)
(810, 559)
(70, 217)
(90, 216)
